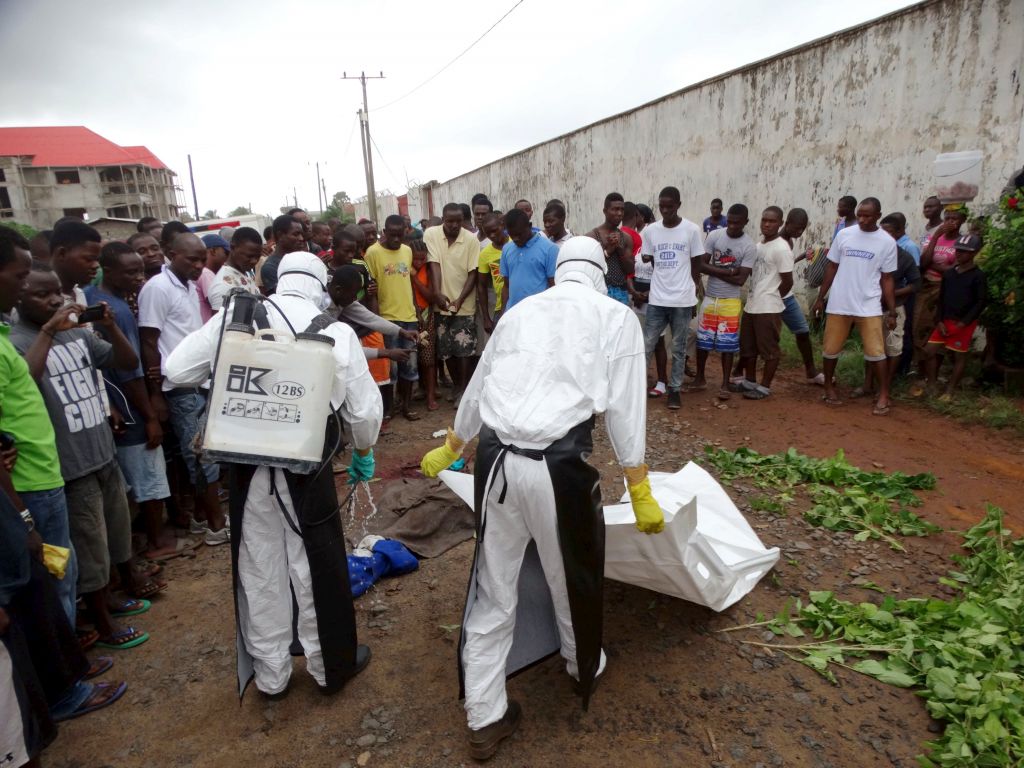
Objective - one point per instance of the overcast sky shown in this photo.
(253, 90)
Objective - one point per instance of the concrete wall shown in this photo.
(387, 204)
(861, 112)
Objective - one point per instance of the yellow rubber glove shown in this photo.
(443, 457)
(649, 517)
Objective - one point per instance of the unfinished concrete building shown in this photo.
(50, 172)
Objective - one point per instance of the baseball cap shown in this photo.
(216, 241)
(969, 243)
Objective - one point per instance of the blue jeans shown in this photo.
(655, 322)
(185, 407)
(793, 316)
(49, 509)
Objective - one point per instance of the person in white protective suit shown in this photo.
(554, 361)
(286, 526)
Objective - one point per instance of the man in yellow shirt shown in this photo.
(389, 262)
(490, 260)
(453, 258)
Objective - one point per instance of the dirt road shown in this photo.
(675, 692)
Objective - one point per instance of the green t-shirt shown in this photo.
(23, 415)
(490, 258)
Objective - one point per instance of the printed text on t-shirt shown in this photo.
(73, 379)
(667, 256)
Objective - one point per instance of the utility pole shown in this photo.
(295, 197)
(323, 183)
(191, 178)
(364, 132)
(318, 195)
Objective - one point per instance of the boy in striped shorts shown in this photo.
(728, 262)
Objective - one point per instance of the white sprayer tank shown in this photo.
(270, 398)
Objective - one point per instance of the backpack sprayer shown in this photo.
(270, 391)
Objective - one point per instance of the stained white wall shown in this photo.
(862, 112)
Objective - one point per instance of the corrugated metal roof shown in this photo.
(71, 146)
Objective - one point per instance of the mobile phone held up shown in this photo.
(91, 314)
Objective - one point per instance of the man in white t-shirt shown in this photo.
(859, 274)
(674, 246)
(770, 280)
(168, 312)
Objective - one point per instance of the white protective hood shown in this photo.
(303, 274)
(581, 260)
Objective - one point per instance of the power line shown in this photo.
(348, 144)
(442, 69)
(381, 156)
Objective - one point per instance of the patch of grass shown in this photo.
(849, 369)
(985, 404)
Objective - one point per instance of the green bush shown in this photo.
(1002, 260)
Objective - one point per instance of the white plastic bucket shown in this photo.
(958, 175)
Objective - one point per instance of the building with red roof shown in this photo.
(47, 172)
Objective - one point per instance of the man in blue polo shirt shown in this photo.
(527, 260)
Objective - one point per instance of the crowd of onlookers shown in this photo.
(94, 437)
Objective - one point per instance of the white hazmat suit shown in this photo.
(554, 360)
(269, 554)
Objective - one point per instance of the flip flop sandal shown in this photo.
(883, 411)
(724, 394)
(694, 387)
(831, 400)
(100, 666)
(150, 588)
(131, 607)
(87, 638)
(137, 638)
(411, 415)
(112, 691)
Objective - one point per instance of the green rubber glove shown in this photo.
(649, 517)
(441, 458)
(361, 468)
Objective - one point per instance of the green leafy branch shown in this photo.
(964, 656)
(845, 498)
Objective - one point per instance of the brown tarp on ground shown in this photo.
(423, 514)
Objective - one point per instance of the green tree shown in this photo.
(240, 211)
(186, 217)
(22, 229)
(338, 209)
(211, 214)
